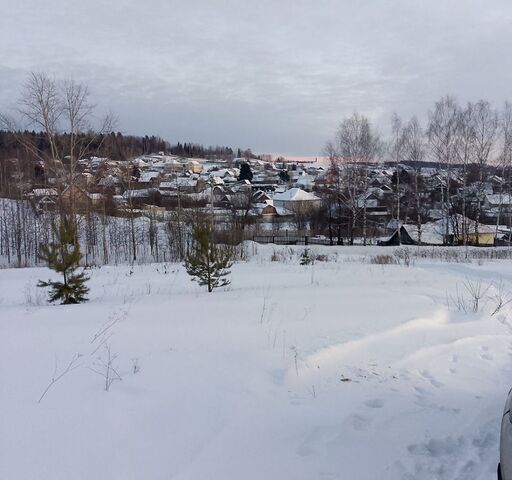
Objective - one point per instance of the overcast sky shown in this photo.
(276, 76)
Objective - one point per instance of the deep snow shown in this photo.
(340, 370)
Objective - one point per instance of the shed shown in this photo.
(400, 237)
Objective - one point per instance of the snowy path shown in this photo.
(341, 370)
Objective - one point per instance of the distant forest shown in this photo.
(114, 145)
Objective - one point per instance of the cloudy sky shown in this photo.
(273, 75)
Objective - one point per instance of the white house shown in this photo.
(297, 200)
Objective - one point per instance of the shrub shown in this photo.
(383, 260)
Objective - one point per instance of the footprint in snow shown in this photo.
(436, 383)
(438, 447)
(485, 355)
(375, 403)
(317, 439)
(428, 376)
(358, 422)
(421, 392)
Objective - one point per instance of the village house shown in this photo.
(297, 200)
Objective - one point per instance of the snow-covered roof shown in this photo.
(109, 181)
(179, 182)
(95, 196)
(260, 194)
(225, 172)
(95, 161)
(44, 192)
(139, 162)
(496, 179)
(280, 211)
(433, 232)
(295, 195)
(498, 199)
(143, 193)
(305, 180)
(217, 180)
(148, 176)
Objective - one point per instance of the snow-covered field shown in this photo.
(340, 370)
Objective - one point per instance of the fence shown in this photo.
(293, 240)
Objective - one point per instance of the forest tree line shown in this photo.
(113, 145)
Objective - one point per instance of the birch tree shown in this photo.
(397, 150)
(62, 111)
(505, 161)
(414, 151)
(486, 131)
(358, 145)
(442, 133)
(465, 152)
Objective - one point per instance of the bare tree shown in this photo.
(357, 145)
(505, 161)
(442, 133)
(63, 112)
(77, 114)
(41, 106)
(465, 152)
(128, 179)
(242, 202)
(486, 131)
(332, 191)
(414, 151)
(397, 150)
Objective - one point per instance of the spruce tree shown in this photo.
(63, 256)
(245, 172)
(208, 264)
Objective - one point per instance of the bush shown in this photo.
(383, 260)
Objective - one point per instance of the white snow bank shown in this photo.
(341, 370)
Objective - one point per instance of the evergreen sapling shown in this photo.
(63, 256)
(305, 258)
(208, 264)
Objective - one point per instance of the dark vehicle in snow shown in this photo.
(505, 465)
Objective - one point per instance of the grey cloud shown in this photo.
(274, 75)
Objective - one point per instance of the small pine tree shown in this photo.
(208, 263)
(305, 258)
(63, 256)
